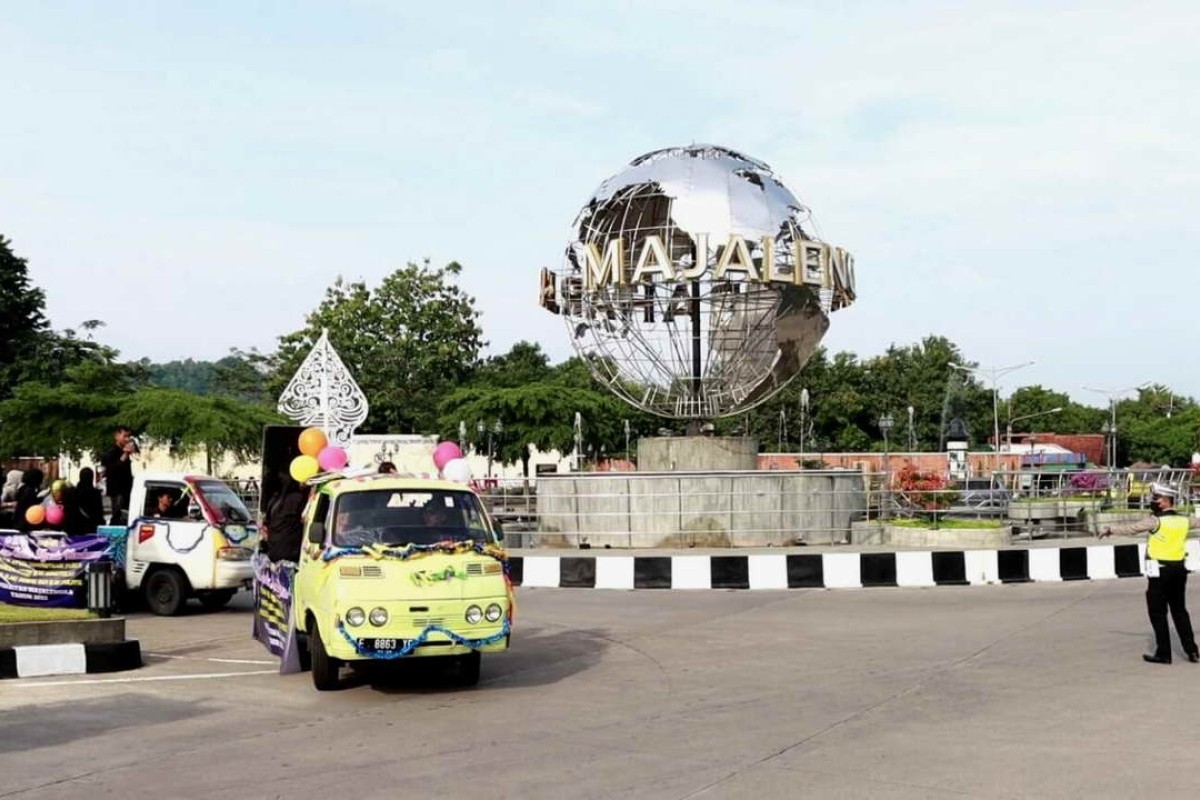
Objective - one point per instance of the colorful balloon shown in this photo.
(303, 467)
(35, 515)
(313, 441)
(54, 515)
(457, 470)
(444, 453)
(331, 459)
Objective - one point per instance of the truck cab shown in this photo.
(397, 567)
(188, 536)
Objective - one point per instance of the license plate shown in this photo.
(384, 644)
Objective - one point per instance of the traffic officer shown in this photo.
(1165, 556)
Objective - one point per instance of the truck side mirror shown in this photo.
(499, 529)
(316, 533)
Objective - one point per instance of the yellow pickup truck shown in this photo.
(396, 567)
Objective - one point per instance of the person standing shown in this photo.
(117, 464)
(91, 505)
(28, 495)
(1167, 586)
(284, 521)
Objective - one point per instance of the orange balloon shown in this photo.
(35, 515)
(313, 441)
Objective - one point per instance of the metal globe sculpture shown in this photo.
(692, 284)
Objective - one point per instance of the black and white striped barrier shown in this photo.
(39, 660)
(835, 570)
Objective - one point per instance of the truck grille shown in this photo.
(424, 622)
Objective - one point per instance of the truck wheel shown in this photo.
(324, 666)
(166, 592)
(466, 668)
(216, 599)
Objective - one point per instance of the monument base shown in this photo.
(697, 453)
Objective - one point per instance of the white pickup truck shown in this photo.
(188, 536)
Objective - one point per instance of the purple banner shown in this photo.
(47, 571)
(273, 611)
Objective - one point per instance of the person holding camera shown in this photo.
(117, 464)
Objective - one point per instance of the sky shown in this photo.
(1019, 177)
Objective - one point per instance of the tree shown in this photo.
(22, 320)
(1030, 400)
(407, 343)
(187, 423)
(537, 405)
(79, 414)
(523, 364)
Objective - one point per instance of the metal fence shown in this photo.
(774, 508)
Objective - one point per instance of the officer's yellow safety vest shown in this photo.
(1169, 542)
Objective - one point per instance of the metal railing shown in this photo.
(774, 508)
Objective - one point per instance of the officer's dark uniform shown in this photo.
(1166, 552)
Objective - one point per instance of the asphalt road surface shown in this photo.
(1006, 691)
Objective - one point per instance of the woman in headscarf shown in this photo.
(12, 482)
(28, 495)
(284, 520)
(8, 498)
(88, 502)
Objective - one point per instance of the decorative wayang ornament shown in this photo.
(323, 394)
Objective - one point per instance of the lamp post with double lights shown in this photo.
(994, 374)
(1110, 427)
(493, 436)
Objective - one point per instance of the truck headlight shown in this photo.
(474, 614)
(355, 617)
(493, 613)
(379, 617)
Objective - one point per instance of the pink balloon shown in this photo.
(445, 452)
(55, 514)
(332, 458)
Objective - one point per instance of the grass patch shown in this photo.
(949, 524)
(24, 614)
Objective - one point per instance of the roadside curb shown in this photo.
(838, 570)
(40, 660)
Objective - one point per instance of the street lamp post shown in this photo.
(1008, 428)
(1113, 395)
(626, 440)
(994, 374)
(912, 430)
(803, 420)
(885, 426)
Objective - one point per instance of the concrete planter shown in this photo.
(1058, 508)
(882, 534)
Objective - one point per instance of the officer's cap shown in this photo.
(1162, 490)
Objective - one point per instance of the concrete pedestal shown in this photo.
(697, 453)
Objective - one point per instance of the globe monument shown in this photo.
(694, 287)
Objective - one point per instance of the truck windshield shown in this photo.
(401, 517)
(227, 506)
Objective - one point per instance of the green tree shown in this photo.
(78, 415)
(22, 320)
(407, 343)
(1037, 400)
(523, 364)
(243, 375)
(187, 423)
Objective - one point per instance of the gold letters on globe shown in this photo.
(820, 264)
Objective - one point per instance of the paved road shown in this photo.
(1006, 691)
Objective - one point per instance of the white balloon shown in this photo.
(457, 470)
